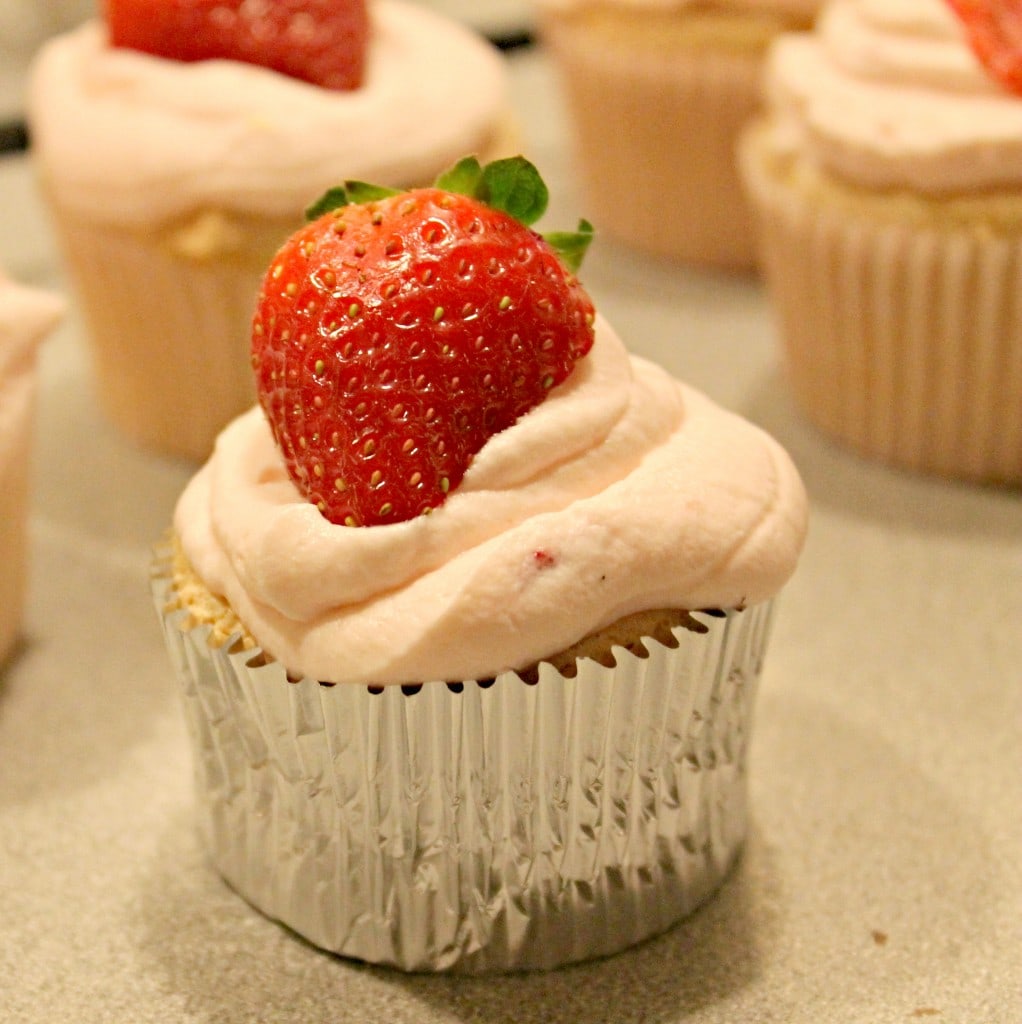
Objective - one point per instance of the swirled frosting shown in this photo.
(888, 94)
(624, 491)
(127, 138)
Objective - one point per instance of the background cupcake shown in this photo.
(172, 183)
(26, 315)
(403, 751)
(657, 92)
(887, 184)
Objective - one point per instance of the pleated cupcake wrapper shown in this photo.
(15, 457)
(655, 135)
(903, 342)
(168, 333)
(168, 311)
(488, 826)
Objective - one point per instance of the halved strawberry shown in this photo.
(318, 41)
(397, 332)
(993, 29)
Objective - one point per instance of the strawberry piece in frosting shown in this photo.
(994, 31)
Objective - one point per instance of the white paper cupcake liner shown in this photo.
(655, 135)
(15, 450)
(27, 317)
(484, 826)
(169, 332)
(168, 310)
(903, 342)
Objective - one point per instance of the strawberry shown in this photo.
(993, 29)
(398, 331)
(318, 41)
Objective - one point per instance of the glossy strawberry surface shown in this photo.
(392, 339)
(318, 41)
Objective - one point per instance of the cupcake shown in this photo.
(26, 315)
(887, 179)
(172, 183)
(501, 720)
(657, 92)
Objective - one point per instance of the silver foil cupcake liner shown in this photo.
(495, 825)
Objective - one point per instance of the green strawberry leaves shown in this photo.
(393, 338)
(350, 192)
(362, 192)
(332, 199)
(462, 178)
(512, 185)
(571, 246)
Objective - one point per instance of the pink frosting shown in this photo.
(887, 94)
(624, 491)
(131, 139)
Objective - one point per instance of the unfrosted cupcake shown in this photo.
(172, 184)
(657, 92)
(513, 732)
(888, 183)
(26, 316)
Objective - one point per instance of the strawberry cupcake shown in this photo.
(887, 178)
(26, 316)
(657, 92)
(469, 612)
(177, 144)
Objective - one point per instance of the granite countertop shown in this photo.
(882, 881)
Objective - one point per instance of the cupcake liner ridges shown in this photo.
(168, 327)
(480, 826)
(902, 341)
(655, 135)
(26, 318)
(14, 490)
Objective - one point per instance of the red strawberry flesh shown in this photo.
(318, 41)
(393, 339)
(994, 31)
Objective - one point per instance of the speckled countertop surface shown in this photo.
(883, 877)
